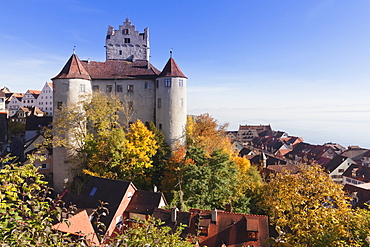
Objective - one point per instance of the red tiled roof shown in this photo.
(171, 69)
(80, 225)
(112, 69)
(34, 91)
(73, 70)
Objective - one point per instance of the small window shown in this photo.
(160, 126)
(108, 88)
(130, 88)
(43, 166)
(181, 102)
(95, 88)
(167, 82)
(119, 88)
(120, 52)
(181, 83)
(159, 102)
(203, 231)
(147, 85)
(46, 103)
(157, 83)
(125, 31)
(252, 236)
(82, 88)
(93, 191)
(127, 40)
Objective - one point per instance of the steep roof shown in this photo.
(80, 225)
(335, 162)
(99, 190)
(73, 70)
(144, 202)
(120, 69)
(171, 69)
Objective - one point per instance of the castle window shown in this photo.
(147, 85)
(95, 88)
(108, 36)
(130, 88)
(127, 40)
(125, 31)
(120, 52)
(160, 126)
(108, 89)
(119, 88)
(181, 83)
(157, 83)
(82, 88)
(167, 82)
(181, 102)
(159, 102)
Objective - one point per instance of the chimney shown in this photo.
(229, 208)
(174, 214)
(214, 216)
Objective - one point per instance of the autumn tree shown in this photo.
(27, 212)
(151, 232)
(95, 133)
(207, 173)
(309, 209)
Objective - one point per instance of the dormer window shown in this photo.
(203, 231)
(252, 236)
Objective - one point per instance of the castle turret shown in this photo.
(126, 43)
(171, 103)
(69, 85)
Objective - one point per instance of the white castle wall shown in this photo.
(171, 113)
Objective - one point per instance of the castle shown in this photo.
(153, 95)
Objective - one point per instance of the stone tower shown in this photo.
(171, 103)
(69, 85)
(126, 43)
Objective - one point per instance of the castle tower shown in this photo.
(69, 85)
(171, 103)
(126, 43)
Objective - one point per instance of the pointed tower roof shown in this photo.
(73, 70)
(172, 70)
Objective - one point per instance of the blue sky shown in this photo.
(301, 66)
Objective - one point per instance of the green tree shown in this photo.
(27, 212)
(309, 210)
(207, 173)
(155, 174)
(151, 232)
